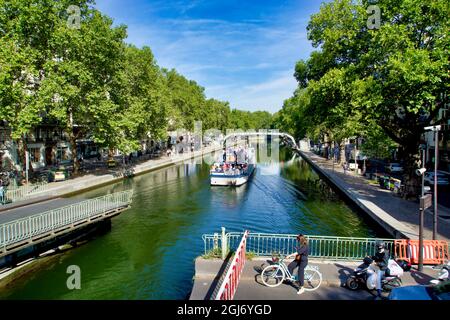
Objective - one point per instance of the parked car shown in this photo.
(59, 176)
(111, 163)
(394, 167)
(352, 165)
(442, 178)
(418, 292)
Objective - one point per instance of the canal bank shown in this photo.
(399, 217)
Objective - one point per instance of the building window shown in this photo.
(35, 154)
(62, 153)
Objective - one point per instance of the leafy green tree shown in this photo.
(141, 102)
(215, 115)
(187, 100)
(26, 28)
(247, 120)
(78, 78)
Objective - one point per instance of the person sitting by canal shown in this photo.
(301, 261)
(381, 258)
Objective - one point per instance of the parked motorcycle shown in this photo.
(365, 276)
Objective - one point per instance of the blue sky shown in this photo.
(242, 51)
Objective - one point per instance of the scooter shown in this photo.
(365, 276)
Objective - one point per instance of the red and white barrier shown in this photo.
(231, 280)
(434, 251)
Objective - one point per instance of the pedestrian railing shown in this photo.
(24, 229)
(325, 247)
(22, 192)
(230, 282)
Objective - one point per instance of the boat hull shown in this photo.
(218, 179)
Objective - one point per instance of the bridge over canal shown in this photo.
(28, 231)
(283, 135)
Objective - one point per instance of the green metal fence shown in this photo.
(325, 247)
(34, 226)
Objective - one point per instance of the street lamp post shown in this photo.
(436, 130)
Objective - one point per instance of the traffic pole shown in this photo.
(436, 153)
(420, 266)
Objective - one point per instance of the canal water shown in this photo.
(149, 252)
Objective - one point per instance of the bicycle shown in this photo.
(275, 274)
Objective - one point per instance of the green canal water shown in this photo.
(149, 252)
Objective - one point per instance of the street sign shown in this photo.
(425, 201)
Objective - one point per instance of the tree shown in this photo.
(26, 28)
(141, 102)
(187, 100)
(76, 89)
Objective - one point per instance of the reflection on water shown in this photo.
(150, 250)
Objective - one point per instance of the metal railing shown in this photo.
(26, 191)
(53, 220)
(324, 247)
(230, 282)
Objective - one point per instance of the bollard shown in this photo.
(224, 244)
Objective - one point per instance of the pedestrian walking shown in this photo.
(300, 262)
(2, 193)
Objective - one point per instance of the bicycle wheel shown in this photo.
(272, 276)
(313, 279)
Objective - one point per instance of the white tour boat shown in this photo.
(235, 169)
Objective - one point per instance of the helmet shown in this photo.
(380, 246)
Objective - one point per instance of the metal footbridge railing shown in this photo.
(20, 232)
(323, 247)
(14, 194)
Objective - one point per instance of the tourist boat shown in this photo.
(237, 168)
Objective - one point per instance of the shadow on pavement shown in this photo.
(420, 277)
(344, 272)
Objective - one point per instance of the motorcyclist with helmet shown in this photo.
(381, 258)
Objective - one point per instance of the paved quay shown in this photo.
(397, 216)
(56, 190)
(334, 274)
